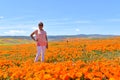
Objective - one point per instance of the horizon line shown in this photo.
(69, 35)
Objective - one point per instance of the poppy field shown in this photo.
(68, 59)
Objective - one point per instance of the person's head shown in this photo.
(40, 25)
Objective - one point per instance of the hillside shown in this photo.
(57, 37)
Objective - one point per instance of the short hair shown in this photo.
(40, 24)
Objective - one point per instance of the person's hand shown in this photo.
(36, 40)
(47, 46)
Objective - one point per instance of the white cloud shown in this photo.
(15, 32)
(34, 28)
(68, 22)
(77, 30)
(82, 21)
(1, 17)
(113, 20)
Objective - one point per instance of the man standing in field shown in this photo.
(41, 40)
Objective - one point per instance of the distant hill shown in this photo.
(63, 36)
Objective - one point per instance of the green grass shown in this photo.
(10, 41)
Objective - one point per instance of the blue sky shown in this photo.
(60, 17)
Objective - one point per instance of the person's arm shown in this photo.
(47, 42)
(32, 36)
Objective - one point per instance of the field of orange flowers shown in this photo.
(68, 59)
